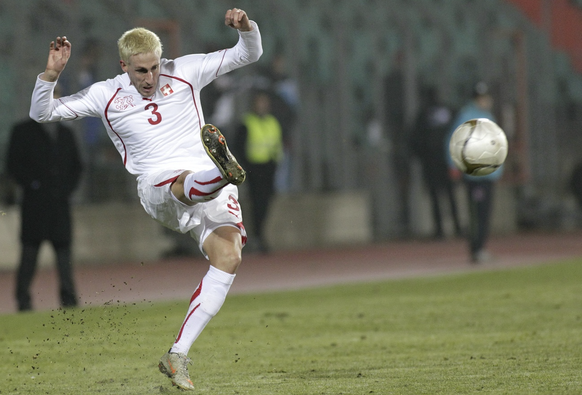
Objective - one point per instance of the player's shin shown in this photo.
(204, 185)
(205, 304)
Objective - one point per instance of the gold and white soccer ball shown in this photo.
(478, 147)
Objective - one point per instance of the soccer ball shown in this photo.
(478, 147)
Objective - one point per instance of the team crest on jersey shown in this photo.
(166, 90)
(124, 102)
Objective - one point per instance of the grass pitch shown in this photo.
(515, 331)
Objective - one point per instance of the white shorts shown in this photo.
(200, 219)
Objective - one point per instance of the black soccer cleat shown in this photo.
(215, 145)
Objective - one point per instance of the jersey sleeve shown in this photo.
(202, 69)
(44, 108)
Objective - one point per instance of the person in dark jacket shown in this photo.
(429, 135)
(44, 161)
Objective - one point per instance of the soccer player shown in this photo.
(186, 175)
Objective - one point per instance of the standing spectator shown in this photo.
(480, 190)
(43, 159)
(284, 92)
(259, 144)
(428, 136)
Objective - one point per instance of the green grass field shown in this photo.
(516, 331)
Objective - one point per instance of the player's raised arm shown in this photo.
(238, 19)
(59, 54)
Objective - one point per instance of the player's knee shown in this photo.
(232, 259)
(228, 260)
(213, 301)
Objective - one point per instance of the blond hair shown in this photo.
(136, 41)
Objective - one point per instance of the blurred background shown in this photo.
(350, 76)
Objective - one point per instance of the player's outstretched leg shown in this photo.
(215, 145)
(175, 366)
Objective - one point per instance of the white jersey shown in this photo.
(159, 132)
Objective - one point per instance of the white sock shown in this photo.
(203, 186)
(205, 304)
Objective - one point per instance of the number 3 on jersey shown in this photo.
(157, 117)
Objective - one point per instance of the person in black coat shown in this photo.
(427, 143)
(44, 161)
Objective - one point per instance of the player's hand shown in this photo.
(59, 54)
(238, 19)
